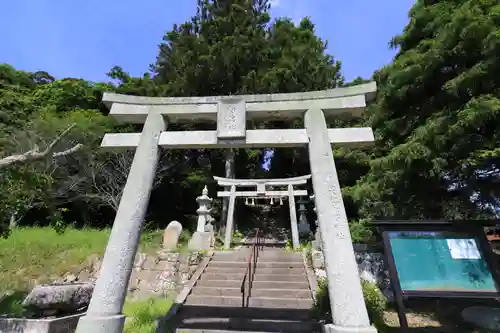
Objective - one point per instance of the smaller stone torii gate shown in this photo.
(230, 113)
(261, 192)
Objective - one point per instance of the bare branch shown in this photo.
(67, 152)
(35, 154)
(109, 175)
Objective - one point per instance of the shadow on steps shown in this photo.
(199, 318)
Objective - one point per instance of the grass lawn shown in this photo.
(143, 314)
(40, 255)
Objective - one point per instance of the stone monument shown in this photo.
(171, 235)
(201, 239)
(231, 113)
(304, 227)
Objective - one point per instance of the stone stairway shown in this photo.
(280, 299)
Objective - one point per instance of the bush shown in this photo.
(375, 301)
(361, 232)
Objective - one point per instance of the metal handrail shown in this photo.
(250, 271)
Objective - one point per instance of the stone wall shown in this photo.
(153, 274)
(371, 267)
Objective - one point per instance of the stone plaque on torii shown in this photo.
(261, 192)
(349, 315)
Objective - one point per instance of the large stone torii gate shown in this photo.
(349, 314)
(261, 191)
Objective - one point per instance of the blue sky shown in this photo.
(85, 38)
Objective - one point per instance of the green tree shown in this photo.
(437, 116)
(232, 47)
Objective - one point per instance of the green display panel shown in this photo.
(440, 261)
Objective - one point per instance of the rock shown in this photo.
(84, 275)
(171, 235)
(484, 317)
(140, 259)
(70, 278)
(371, 267)
(167, 256)
(318, 261)
(200, 241)
(64, 298)
(150, 263)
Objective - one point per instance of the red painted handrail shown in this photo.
(250, 271)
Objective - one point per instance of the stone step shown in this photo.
(203, 311)
(235, 292)
(216, 291)
(241, 324)
(263, 264)
(281, 270)
(222, 276)
(259, 270)
(281, 293)
(279, 259)
(274, 302)
(229, 264)
(296, 284)
(260, 263)
(219, 283)
(225, 256)
(278, 277)
(266, 259)
(257, 277)
(279, 253)
(302, 284)
(184, 330)
(256, 302)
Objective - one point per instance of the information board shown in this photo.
(440, 261)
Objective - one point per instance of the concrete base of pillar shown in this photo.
(200, 241)
(104, 324)
(331, 328)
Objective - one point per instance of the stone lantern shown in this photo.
(202, 239)
(204, 202)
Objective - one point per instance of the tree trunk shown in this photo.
(229, 173)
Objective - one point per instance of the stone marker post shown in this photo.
(304, 227)
(104, 313)
(348, 307)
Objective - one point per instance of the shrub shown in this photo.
(375, 301)
(361, 232)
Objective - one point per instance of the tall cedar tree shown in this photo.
(232, 47)
(437, 116)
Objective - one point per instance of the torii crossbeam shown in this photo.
(231, 113)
